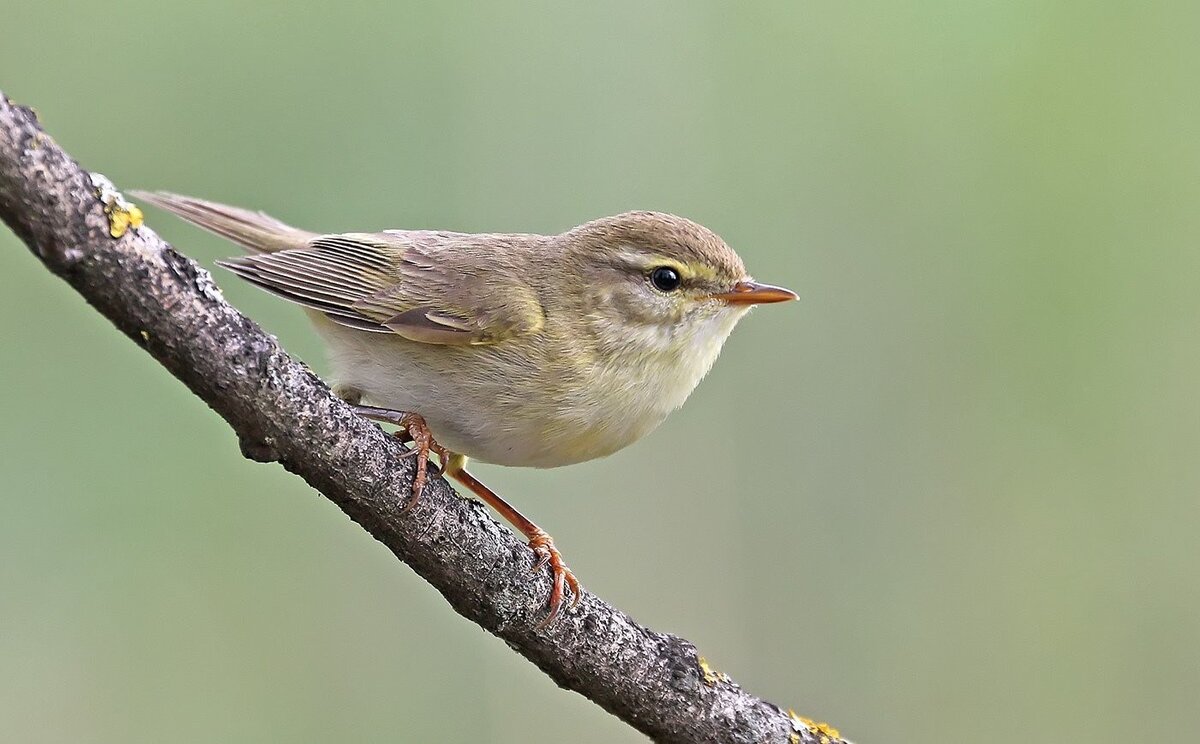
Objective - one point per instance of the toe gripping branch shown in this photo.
(412, 427)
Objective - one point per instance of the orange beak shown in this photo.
(753, 293)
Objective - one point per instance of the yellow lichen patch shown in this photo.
(122, 214)
(825, 733)
(711, 676)
(120, 219)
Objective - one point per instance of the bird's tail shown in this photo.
(255, 231)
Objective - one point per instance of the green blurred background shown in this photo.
(949, 496)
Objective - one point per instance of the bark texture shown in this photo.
(169, 306)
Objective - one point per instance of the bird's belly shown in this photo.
(522, 441)
(528, 435)
(479, 407)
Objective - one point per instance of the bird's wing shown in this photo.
(402, 283)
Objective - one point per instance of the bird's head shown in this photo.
(661, 291)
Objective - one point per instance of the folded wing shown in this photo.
(394, 283)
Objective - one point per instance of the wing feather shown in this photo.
(406, 284)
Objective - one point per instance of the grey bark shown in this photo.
(169, 306)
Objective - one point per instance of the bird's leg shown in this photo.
(354, 396)
(413, 427)
(541, 543)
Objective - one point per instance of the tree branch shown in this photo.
(170, 307)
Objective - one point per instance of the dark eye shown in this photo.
(665, 278)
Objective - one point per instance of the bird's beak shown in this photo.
(753, 293)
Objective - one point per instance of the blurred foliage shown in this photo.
(950, 496)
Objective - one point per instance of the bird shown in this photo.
(515, 349)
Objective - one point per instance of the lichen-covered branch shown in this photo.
(84, 232)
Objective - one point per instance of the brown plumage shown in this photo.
(517, 349)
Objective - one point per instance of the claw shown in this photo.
(543, 546)
(543, 557)
(414, 427)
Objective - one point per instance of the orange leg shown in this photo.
(541, 543)
(414, 427)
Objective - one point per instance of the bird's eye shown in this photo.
(665, 279)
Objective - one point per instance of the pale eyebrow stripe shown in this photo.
(643, 261)
(638, 261)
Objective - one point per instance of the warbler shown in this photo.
(514, 349)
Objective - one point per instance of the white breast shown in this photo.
(480, 401)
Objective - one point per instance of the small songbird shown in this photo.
(514, 349)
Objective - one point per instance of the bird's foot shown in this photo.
(412, 428)
(539, 541)
(547, 555)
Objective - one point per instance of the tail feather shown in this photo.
(255, 231)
